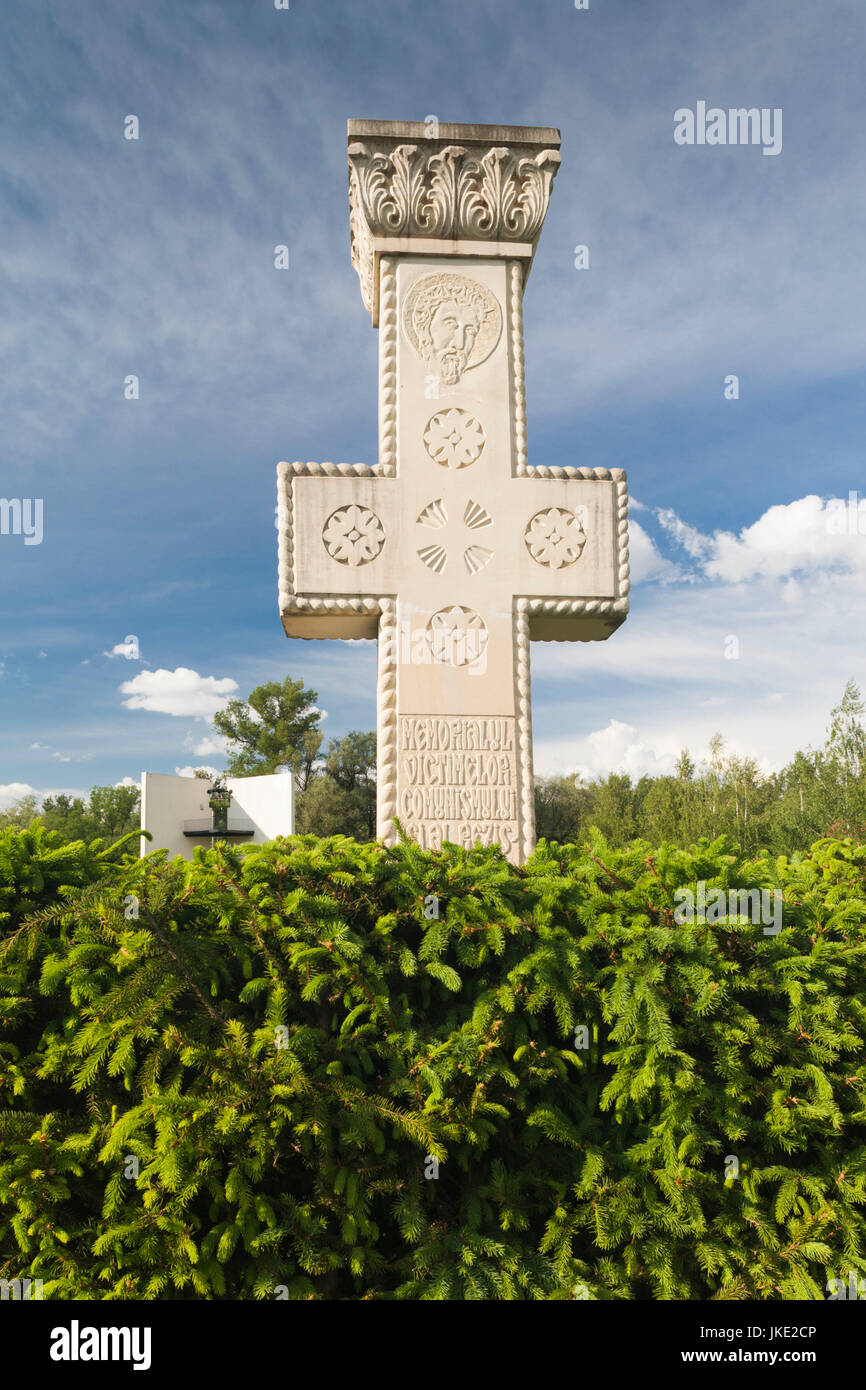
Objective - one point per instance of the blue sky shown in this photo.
(155, 257)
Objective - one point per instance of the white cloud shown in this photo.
(211, 743)
(645, 561)
(128, 782)
(618, 747)
(178, 692)
(791, 592)
(800, 537)
(190, 770)
(128, 648)
(14, 791)
(691, 540)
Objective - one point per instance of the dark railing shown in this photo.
(237, 828)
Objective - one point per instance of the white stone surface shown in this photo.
(167, 802)
(452, 550)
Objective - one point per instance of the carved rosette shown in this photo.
(447, 193)
(454, 438)
(353, 535)
(457, 635)
(556, 536)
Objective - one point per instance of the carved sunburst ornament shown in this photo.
(435, 554)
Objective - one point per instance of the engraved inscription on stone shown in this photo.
(457, 780)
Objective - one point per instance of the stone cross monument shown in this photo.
(451, 550)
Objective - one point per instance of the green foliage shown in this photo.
(340, 798)
(108, 813)
(232, 1078)
(275, 730)
(821, 793)
(22, 813)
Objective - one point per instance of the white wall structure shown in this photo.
(263, 806)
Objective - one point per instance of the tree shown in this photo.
(21, 812)
(115, 810)
(276, 730)
(325, 808)
(340, 798)
(613, 812)
(845, 754)
(351, 763)
(563, 808)
(108, 814)
(846, 737)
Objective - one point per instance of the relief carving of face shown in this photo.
(451, 336)
(452, 322)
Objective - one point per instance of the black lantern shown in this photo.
(219, 798)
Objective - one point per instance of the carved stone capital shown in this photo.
(460, 190)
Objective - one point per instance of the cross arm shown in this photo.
(567, 598)
(336, 531)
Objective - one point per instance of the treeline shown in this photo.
(108, 813)
(821, 792)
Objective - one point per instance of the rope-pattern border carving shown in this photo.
(614, 475)
(386, 709)
(285, 535)
(523, 707)
(623, 580)
(289, 602)
(388, 366)
(518, 368)
(568, 607)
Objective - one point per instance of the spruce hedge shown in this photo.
(325, 1070)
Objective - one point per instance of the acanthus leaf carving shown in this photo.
(437, 215)
(445, 193)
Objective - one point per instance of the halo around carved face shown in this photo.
(452, 322)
